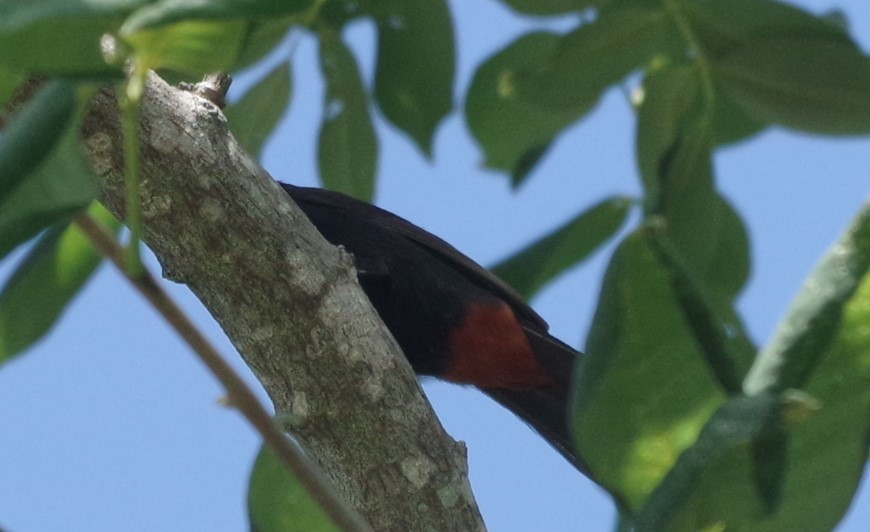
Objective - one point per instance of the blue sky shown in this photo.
(111, 424)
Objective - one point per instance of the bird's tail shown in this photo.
(547, 409)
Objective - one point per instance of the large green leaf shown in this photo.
(597, 55)
(416, 66)
(815, 85)
(44, 283)
(722, 25)
(539, 263)
(643, 393)
(348, 148)
(61, 186)
(34, 132)
(253, 118)
(512, 133)
(277, 502)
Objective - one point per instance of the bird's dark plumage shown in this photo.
(452, 318)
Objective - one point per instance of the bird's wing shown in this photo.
(368, 213)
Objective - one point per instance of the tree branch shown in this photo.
(238, 393)
(291, 305)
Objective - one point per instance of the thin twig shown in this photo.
(240, 395)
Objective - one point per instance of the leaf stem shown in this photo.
(240, 395)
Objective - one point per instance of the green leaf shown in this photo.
(712, 487)
(253, 118)
(193, 47)
(828, 450)
(671, 98)
(165, 12)
(59, 37)
(44, 283)
(539, 263)
(643, 393)
(261, 38)
(812, 85)
(731, 123)
(722, 25)
(61, 186)
(277, 502)
(815, 317)
(347, 153)
(512, 133)
(15, 15)
(34, 131)
(674, 147)
(597, 55)
(827, 427)
(416, 66)
(9, 82)
(552, 7)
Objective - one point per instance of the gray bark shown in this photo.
(291, 305)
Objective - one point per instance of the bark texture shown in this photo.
(290, 303)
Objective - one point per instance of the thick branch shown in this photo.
(290, 303)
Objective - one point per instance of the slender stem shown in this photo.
(240, 395)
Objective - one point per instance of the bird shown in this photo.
(453, 319)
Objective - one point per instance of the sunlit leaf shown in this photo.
(277, 502)
(719, 462)
(815, 317)
(348, 148)
(828, 451)
(539, 263)
(415, 66)
(799, 472)
(254, 117)
(192, 47)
